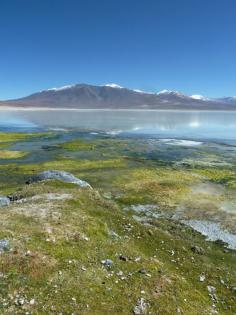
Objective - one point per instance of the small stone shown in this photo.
(143, 271)
(233, 289)
(32, 302)
(202, 278)
(4, 245)
(85, 238)
(107, 195)
(123, 258)
(141, 307)
(107, 262)
(4, 201)
(114, 235)
(20, 301)
(197, 250)
(211, 289)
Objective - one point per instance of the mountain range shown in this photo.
(113, 96)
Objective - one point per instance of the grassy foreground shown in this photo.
(60, 234)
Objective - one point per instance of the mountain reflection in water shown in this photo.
(176, 124)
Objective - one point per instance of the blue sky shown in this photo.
(185, 45)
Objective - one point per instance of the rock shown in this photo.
(197, 250)
(32, 302)
(221, 242)
(114, 235)
(4, 245)
(123, 258)
(202, 278)
(107, 196)
(29, 253)
(211, 289)
(141, 307)
(4, 201)
(107, 262)
(61, 176)
(142, 271)
(20, 301)
(15, 197)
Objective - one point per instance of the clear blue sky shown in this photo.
(185, 45)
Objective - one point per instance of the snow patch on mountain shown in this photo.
(113, 85)
(139, 91)
(169, 92)
(199, 97)
(66, 87)
(142, 92)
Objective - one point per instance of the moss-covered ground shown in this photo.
(59, 233)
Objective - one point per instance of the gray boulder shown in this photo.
(4, 201)
(61, 176)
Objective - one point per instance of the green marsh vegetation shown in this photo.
(59, 234)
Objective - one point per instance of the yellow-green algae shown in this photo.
(7, 154)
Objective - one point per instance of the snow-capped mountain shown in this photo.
(114, 96)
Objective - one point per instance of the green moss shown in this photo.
(162, 186)
(77, 145)
(58, 245)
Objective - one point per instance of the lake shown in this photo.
(203, 125)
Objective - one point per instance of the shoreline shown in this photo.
(13, 108)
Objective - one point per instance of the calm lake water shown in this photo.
(165, 124)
